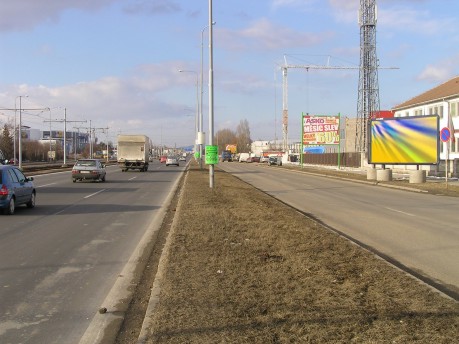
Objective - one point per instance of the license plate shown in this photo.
(85, 172)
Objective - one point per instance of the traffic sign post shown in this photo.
(211, 155)
(445, 134)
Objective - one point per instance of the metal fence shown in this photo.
(331, 159)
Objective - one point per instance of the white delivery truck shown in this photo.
(133, 152)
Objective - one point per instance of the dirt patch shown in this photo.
(245, 268)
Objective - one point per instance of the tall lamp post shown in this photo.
(20, 130)
(197, 106)
(200, 122)
(211, 93)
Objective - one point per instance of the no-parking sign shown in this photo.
(445, 134)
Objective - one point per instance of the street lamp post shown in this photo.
(200, 122)
(211, 93)
(197, 106)
(20, 131)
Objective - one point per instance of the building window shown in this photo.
(436, 110)
(453, 109)
(453, 147)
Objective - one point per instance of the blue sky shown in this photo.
(116, 62)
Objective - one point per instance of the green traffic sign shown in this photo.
(211, 155)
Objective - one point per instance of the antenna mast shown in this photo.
(368, 97)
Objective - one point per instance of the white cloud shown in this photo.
(276, 4)
(26, 14)
(132, 104)
(439, 72)
(153, 7)
(265, 35)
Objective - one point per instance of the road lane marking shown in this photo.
(401, 212)
(95, 193)
(41, 186)
(132, 178)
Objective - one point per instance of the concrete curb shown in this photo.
(156, 288)
(104, 326)
(368, 182)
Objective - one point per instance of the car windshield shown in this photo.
(86, 163)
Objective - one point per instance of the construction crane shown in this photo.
(284, 69)
(368, 90)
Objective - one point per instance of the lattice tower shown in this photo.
(368, 97)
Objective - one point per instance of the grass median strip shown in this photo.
(245, 268)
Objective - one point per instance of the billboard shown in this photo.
(405, 140)
(320, 130)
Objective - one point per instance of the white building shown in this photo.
(443, 101)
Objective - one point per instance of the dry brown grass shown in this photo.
(244, 268)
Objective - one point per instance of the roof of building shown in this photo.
(448, 89)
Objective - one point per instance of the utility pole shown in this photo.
(65, 121)
(91, 132)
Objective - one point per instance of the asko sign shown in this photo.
(320, 130)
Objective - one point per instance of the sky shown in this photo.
(114, 64)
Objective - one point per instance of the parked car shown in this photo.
(15, 189)
(88, 169)
(172, 160)
(264, 159)
(163, 158)
(182, 158)
(253, 159)
(243, 157)
(275, 160)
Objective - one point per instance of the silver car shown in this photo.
(172, 160)
(88, 169)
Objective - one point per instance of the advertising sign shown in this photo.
(320, 130)
(232, 148)
(405, 140)
(211, 155)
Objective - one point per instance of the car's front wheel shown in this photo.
(31, 202)
(11, 207)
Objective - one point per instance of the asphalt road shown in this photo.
(60, 260)
(418, 230)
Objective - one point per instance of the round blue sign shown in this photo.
(445, 134)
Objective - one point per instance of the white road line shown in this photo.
(132, 178)
(401, 212)
(95, 193)
(40, 186)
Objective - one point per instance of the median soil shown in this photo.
(245, 268)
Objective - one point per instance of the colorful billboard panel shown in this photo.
(405, 140)
(320, 130)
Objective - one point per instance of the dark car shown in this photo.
(275, 160)
(88, 169)
(15, 189)
(253, 159)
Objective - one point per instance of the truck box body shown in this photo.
(133, 152)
